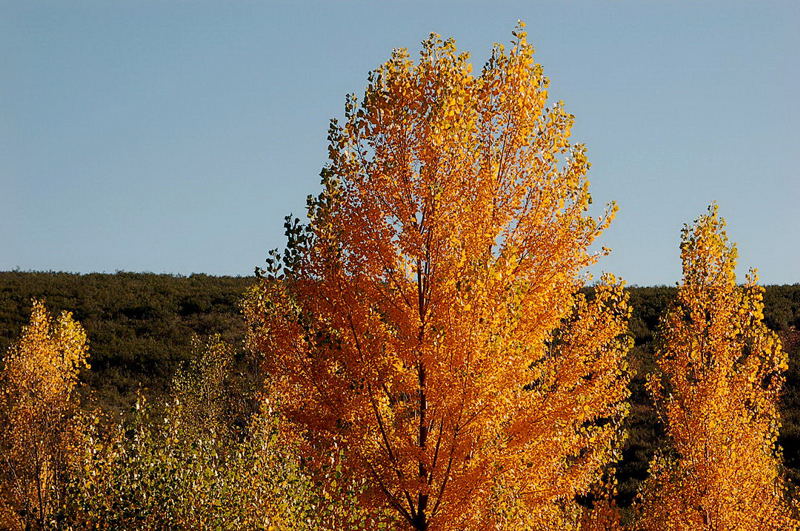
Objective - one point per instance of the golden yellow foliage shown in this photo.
(426, 321)
(37, 405)
(720, 371)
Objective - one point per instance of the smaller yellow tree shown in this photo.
(199, 390)
(719, 375)
(37, 411)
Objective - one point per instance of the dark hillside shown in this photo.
(140, 326)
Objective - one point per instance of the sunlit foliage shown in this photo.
(426, 321)
(38, 422)
(719, 374)
(182, 465)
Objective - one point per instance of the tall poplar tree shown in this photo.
(427, 324)
(719, 374)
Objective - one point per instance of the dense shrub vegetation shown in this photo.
(140, 328)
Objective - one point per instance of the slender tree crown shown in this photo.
(427, 320)
(37, 402)
(720, 372)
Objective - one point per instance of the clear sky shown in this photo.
(174, 136)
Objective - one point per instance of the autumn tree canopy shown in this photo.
(426, 323)
(37, 415)
(719, 374)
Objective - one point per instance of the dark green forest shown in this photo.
(140, 327)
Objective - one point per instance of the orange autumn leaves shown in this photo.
(426, 320)
(427, 328)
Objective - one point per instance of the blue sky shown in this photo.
(174, 136)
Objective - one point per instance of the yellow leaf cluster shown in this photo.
(37, 403)
(720, 371)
